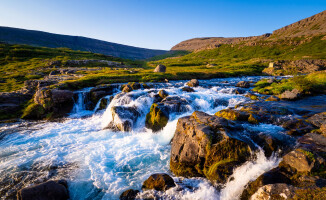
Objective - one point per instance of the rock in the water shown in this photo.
(127, 88)
(33, 111)
(272, 98)
(103, 104)
(187, 89)
(124, 118)
(290, 95)
(129, 194)
(193, 83)
(100, 91)
(243, 84)
(274, 191)
(157, 118)
(54, 190)
(163, 94)
(300, 159)
(201, 146)
(160, 68)
(159, 182)
(175, 104)
(318, 119)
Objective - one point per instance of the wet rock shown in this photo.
(159, 182)
(163, 94)
(239, 91)
(201, 146)
(55, 102)
(124, 118)
(243, 84)
(193, 83)
(252, 96)
(11, 103)
(101, 91)
(272, 98)
(297, 127)
(290, 95)
(127, 88)
(103, 104)
(318, 119)
(34, 111)
(175, 104)
(129, 194)
(187, 89)
(313, 142)
(157, 118)
(54, 190)
(232, 114)
(160, 68)
(274, 191)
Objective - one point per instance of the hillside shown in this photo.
(311, 26)
(44, 39)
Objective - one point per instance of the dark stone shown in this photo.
(187, 89)
(243, 84)
(54, 190)
(163, 94)
(129, 194)
(159, 182)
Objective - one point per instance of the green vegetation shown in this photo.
(169, 54)
(306, 84)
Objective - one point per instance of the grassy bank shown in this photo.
(314, 83)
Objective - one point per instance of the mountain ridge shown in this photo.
(45, 39)
(310, 26)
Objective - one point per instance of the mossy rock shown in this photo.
(157, 118)
(33, 111)
(103, 104)
(232, 115)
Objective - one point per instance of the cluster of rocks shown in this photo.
(78, 63)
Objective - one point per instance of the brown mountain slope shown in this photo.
(314, 25)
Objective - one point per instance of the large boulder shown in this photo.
(124, 118)
(193, 83)
(129, 194)
(175, 104)
(54, 190)
(11, 103)
(202, 146)
(157, 118)
(163, 94)
(101, 91)
(160, 68)
(159, 182)
(243, 84)
(187, 89)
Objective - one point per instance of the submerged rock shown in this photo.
(160, 68)
(54, 190)
(243, 84)
(201, 146)
(159, 182)
(187, 89)
(157, 118)
(129, 194)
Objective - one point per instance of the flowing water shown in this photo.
(100, 164)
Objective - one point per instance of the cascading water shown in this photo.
(100, 164)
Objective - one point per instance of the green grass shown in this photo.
(312, 83)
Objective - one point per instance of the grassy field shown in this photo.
(20, 62)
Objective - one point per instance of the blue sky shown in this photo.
(155, 24)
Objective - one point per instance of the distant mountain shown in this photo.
(311, 26)
(44, 39)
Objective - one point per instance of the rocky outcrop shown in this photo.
(160, 68)
(284, 67)
(124, 118)
(193, 83)
(159, 182)
(163, 94)
(130, 87)
(318, 119)
(55, 102)
(54, 190)
(129, 194)
(100, 91)
(201, 146)
(302, 168)
(157, 118)
(11, 103)
(243, 84)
